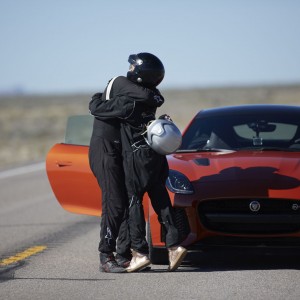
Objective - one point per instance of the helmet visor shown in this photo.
(134, 60)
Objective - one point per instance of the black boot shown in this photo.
(123, 260)
(108, 264)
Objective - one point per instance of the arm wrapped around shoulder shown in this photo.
(117, 107)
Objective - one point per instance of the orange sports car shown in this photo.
(234, 181)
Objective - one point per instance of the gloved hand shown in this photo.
(97, 97)
(165, 117)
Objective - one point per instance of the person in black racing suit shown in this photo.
(145, 170)
(105, 158)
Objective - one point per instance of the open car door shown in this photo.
(69, 174)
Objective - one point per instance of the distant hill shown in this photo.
(31, 124)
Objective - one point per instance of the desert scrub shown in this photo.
(31, 125)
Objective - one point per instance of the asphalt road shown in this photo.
(48, 253)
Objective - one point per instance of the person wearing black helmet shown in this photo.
(105, 159)
(145, 170)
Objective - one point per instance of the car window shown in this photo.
(282, 131)
(237, 132)
(79, 130)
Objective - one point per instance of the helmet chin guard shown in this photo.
(163, 136)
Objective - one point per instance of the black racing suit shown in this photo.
(105, 158)
(145, 170)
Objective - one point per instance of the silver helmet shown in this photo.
(163, 136)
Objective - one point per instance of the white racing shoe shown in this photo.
(138, 262)
(176, 256)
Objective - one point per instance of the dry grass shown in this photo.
(30, 125)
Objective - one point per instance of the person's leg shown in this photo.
(135, 182)
(163, 208)
(106, 164)
(124, 255)
(161, 204)
(137, 225)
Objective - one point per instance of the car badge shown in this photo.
(295, 206)
(254, 206)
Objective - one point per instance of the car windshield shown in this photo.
(243, 132)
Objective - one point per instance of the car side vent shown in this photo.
(182, 224)
(202, 161)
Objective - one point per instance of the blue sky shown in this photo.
(72, 46)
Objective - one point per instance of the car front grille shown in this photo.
(268, 216)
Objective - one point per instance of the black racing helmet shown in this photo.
(145, 69)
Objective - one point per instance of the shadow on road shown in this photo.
(243, 259)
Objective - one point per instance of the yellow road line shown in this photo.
(22, 255)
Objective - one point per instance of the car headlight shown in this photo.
(178, 183)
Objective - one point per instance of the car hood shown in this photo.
(230, 170)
